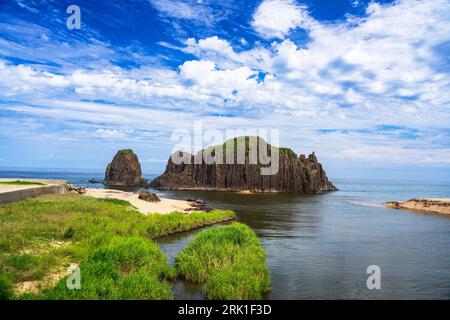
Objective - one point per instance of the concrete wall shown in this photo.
(18, 195)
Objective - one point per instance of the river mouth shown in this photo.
(319, 246)
(171, 246)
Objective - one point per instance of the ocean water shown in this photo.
(319, 246)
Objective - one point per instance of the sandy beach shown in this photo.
(430, 205)
(164, 206)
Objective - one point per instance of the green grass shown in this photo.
(108, 238)
(21, 182)
(126, 268)
(5, 287)
(229, 260)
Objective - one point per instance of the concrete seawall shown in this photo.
(49, 187)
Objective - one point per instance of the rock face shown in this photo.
(148, 196)
(125, 170)
(295, 175)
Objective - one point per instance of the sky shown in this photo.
(365, 84)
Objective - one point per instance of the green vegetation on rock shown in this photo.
(125, 151)
(229, 260)
(233, 143)
(287, 151)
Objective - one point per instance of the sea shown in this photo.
(326, 246)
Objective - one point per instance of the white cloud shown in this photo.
(194, 11)
(352, 75)
(276, 18)
(110, 134)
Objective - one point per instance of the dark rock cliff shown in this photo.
(124, 170)
(295, 175)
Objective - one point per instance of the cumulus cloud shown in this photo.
(385, 68)
(276, 18)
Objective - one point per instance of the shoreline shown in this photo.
(440, 206)
(238, 191)
(196, 227)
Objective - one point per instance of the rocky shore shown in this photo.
(431, 205)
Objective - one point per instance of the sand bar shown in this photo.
(431, 205)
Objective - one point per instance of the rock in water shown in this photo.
(148, 196)
(295, 174)
(125, 170)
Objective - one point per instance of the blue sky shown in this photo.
(363, 83)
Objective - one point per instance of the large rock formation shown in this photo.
(295, 174)
(125, 170)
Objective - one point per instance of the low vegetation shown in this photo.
(125, 268)
(21, 182)
(108, 238)
(229, 260)
(125, 151)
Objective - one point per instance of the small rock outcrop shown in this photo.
(295, 174)
(125, 170)
(71, 189)
(198, 205)
(148, 196)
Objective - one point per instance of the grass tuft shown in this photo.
(229, 260)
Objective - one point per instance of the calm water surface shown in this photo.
(319, 246)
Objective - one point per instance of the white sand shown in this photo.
(164, 206)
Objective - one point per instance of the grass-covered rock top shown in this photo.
(125, 151)
(107, 238)
(229, 260)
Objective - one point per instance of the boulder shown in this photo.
(125, 170)
(71, 189)
(148, 196)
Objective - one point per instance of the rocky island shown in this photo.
(125, 170)
(296, 174)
